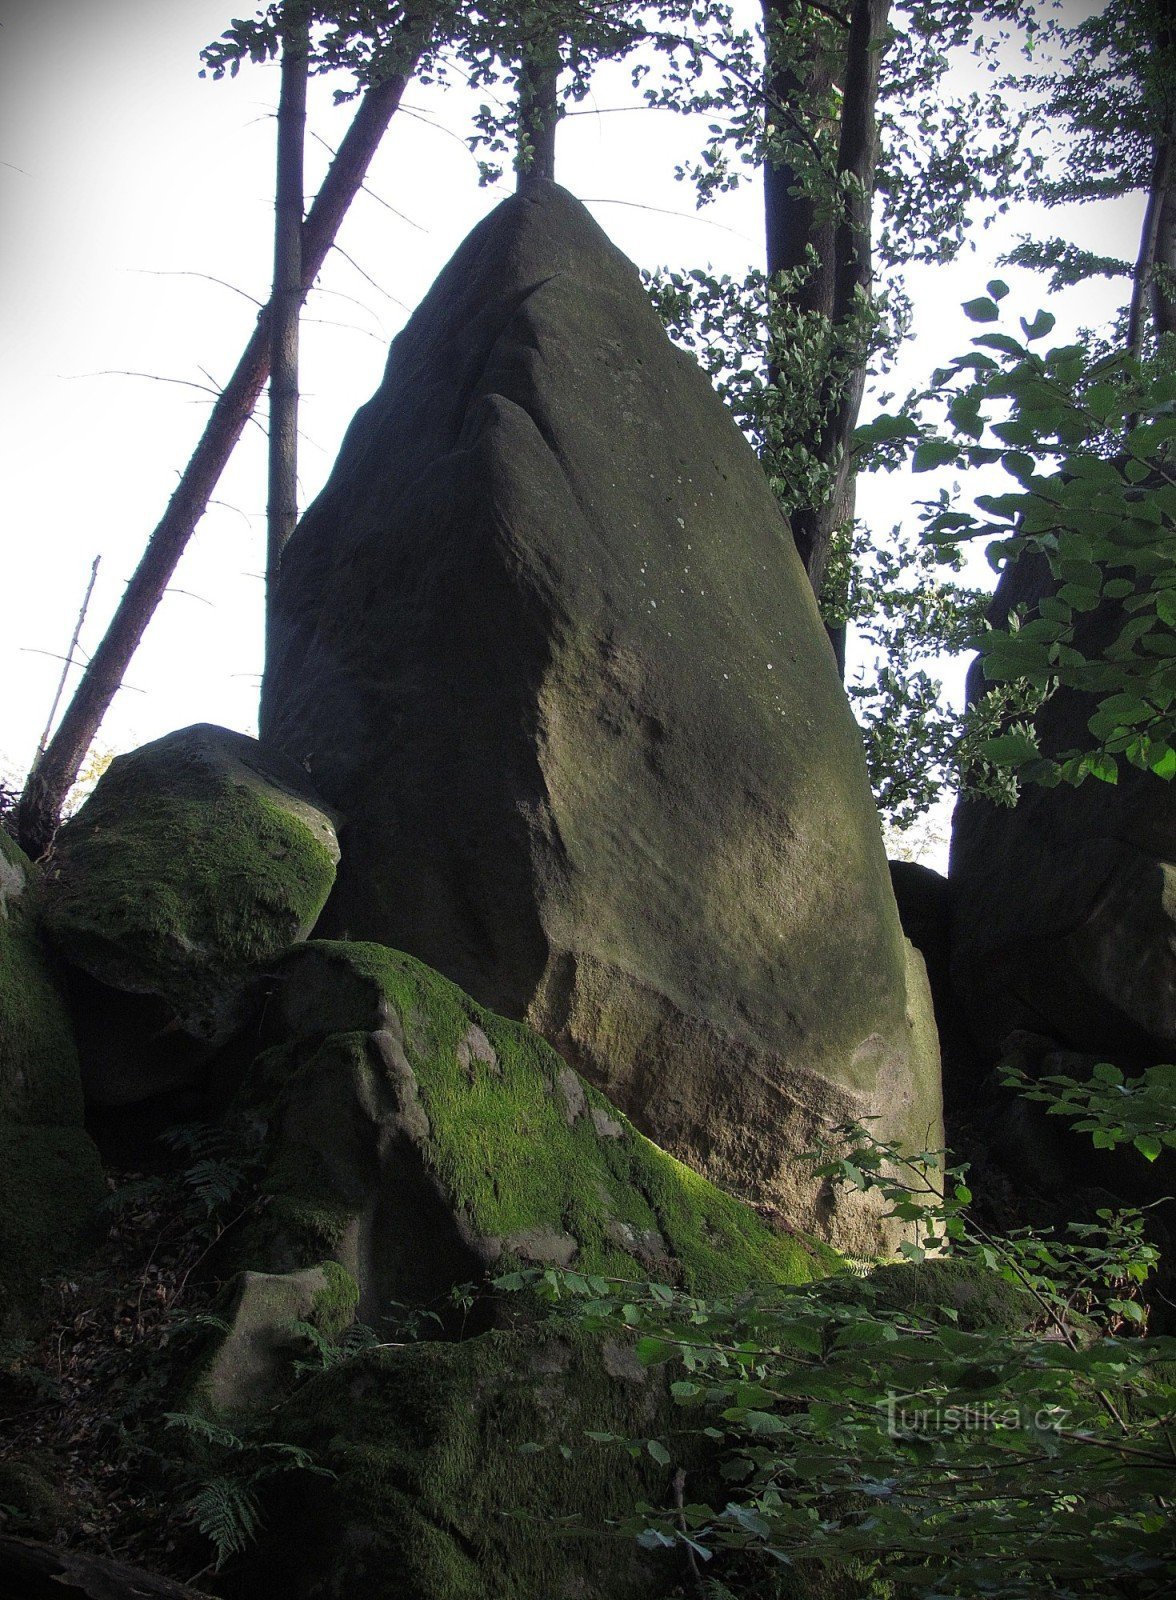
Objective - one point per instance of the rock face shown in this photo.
(196, 859)
(545, 642)
(1064, 906)
(50, 1177)
(422, 1142)
(435, 1494)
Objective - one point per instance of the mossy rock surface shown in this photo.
(423, 1141)
(196, 859)
(40, 1080)
(51, 1184)
(436, 1496)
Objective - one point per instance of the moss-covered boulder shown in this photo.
(436, 1495)
(50, 1177)
(546, 641)
(39, 1075)
(196, 860)
(422, 1141)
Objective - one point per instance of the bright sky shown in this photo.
(123, 178)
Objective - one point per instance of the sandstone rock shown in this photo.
(421, 1141)
(40, 1079)
(435, 1496)
(196, 860)
(1064, 920)
(247, 1365)
(50, 1177)
(546, 643)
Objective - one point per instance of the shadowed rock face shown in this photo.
(545, 641)
(1064, 907)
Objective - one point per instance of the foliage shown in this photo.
(1088, 448)
(954, 1451)
(1114, 1110)
(223, 1504)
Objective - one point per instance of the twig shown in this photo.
(167, 272)
(73, 644)
(352, 262)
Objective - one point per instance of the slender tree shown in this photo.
(286, 298)
(52, 775)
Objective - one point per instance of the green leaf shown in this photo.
(932, 453)
(981, 309)
(1042, 324)
(997, 288)
(1010, 749)
(659, 1452)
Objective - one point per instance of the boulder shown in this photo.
(50, 1176)
(1064, 906)
(196, 860)
(40, 1080)
(545, 642)
(450, 1482)
(423, 1142)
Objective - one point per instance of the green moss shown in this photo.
(187, 862)
(980, 1298)
(515, 1140)
(436, 1496)
(40, 1080)
(51, 1183)
(333, 1308)
(28, 1497)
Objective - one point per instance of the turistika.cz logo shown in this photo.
(919, 1414)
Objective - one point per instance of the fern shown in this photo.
(210, 1432)
(226, 1512)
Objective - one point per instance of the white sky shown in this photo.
(122, 173)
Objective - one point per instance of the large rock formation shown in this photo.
(545, 641)
(1064, 907)
(197, 859)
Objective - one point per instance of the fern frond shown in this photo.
(226, 1512)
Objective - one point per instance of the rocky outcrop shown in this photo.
(463, 1472)
(1064, 906)
(545, 642)
(423, 1143)
(196, 860)
(50, 1177)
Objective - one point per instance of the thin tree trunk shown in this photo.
(286, 299)
(792, 218)
(51, 777)
(538, 113)
(842, 273)
(1145, 264)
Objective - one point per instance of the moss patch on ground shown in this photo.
(40, 1080)
(450, 1480)
(194, 858)
(527, 1155)
(51, 1184)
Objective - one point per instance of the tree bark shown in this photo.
(794, 221)
(286, 299)
(538, 113)
(51, 776)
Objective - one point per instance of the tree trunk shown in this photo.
(51, 777)
(837, 229)
(538, 113)
(287, 298)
